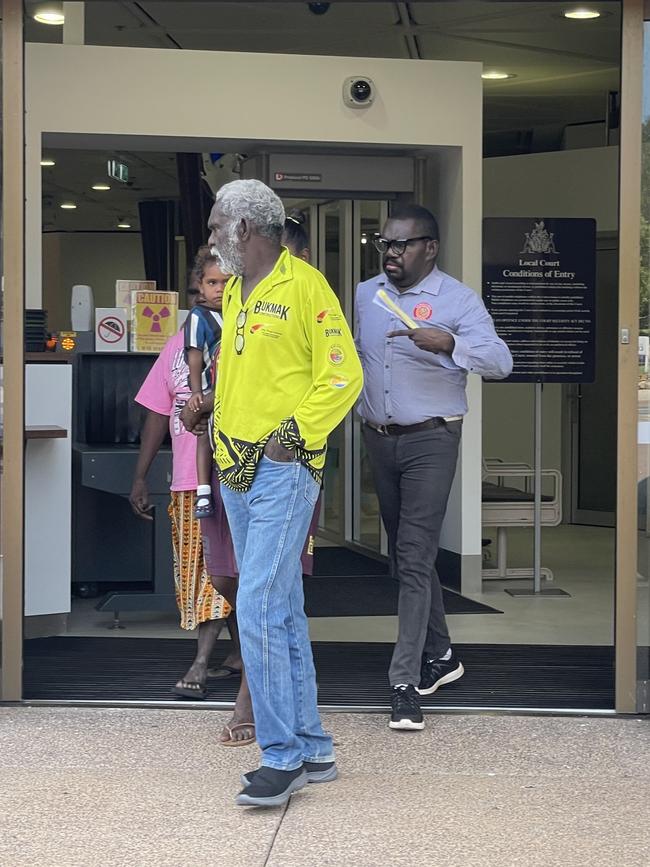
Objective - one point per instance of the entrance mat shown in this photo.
(349, 674)
(331, 562)
(371, 596)
(349, 584)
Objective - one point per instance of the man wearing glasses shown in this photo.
(412, 405)
(288, 374)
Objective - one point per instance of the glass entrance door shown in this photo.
(334, 260)
(593, 406)
(346, 256)
(367, 528)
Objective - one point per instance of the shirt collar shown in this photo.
(283, 269)
(281, 273)
(431, 283)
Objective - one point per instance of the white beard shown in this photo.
(230, 254)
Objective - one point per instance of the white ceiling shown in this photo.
(151, 176)
(564, 69)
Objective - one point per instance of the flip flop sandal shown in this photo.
(199, 694)
(243, 743)
(228, 671)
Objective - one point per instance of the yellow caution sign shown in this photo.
(153, 320)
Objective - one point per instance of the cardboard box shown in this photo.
(124, 290)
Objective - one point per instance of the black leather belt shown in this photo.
(399, 429)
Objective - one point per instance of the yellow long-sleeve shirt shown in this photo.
(288, 367)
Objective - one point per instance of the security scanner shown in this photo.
(111, 547)
(508, 501)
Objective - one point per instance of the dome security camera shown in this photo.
(359, 91)
(318, 8)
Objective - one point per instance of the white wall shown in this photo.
(574, 183)
(207, 100)
(96, 259)
(249, 96)
(508, 423)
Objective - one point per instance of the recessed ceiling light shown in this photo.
(495, 75)
(101, 187)
(49, 13)
(47, 162)
(582, 14)
(123, 225)
(68, 206)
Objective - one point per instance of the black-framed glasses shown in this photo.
(398, 246)
(239, 335)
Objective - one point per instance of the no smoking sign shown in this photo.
(110, 330)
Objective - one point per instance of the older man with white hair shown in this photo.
(288, 374)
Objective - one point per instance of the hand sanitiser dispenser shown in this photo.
(82, 308)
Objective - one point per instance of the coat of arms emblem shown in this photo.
(540, 240)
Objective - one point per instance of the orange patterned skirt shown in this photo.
(196, 598)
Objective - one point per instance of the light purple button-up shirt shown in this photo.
(405, 385)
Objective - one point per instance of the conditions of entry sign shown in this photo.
(539, 285)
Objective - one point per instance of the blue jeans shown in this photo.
(269, 525)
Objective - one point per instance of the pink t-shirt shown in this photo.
(166, 391)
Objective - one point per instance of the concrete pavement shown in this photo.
(94, 786)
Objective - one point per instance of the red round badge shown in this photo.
(422, 311)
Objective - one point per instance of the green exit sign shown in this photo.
(118, 171)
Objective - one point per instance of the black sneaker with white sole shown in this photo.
(272, 788)
(406, 709)
(317, 772)
(437, 672)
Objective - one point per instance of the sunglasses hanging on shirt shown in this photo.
(240, 340)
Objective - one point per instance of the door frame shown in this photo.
(13, 262)
(13, 243)
(625, 639)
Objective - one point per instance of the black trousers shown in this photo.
(413, 474)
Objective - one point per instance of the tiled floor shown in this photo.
(582, 559)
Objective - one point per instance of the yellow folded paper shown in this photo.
(384, 300)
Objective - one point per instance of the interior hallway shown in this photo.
(111, 787)
(582, 560)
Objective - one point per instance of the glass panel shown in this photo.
(367, 523)
(643, 490)
(331, 264)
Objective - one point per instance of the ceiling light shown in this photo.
(581, 14)
(49, 13)
(123, 225)
(495, 75)
(47, 162)
(101, 187)
(68, 206)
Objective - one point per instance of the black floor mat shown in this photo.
(349, 584)
(371, 595)
(334, 561)
(349, 674)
